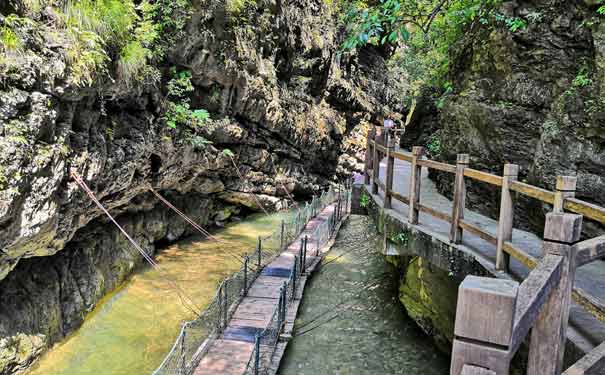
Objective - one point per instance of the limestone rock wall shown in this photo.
(533, 97)
(280, 96)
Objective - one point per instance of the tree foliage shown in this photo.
(422, 31)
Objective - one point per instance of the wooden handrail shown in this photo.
(533, 191)
(437, 165)
(589, 210)
(592, 363)
(549, 285)
(489, 178)
(590, 250)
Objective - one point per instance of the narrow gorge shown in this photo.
(234, 107)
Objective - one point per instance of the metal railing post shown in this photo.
(294, 275)
(300, 255)
(284, 291)
(256, 354)
(220, 308)
(260, 251)
(281, 236)
(305, 252)
(245, 291)
(280, 307)
(226, 306)
(182, 364)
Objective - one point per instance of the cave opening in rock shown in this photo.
(156, 163)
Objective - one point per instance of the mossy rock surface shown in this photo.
(429, 296)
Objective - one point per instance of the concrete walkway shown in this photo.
(590, 277)
(230, 353)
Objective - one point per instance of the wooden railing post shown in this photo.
(415, 177)
(459, 199)
(549, 333)
(390, 145)
(375, 165)
(505, 222)
(485, 316)
(369, 153)
(564, 188)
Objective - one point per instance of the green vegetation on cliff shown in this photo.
(100, 36)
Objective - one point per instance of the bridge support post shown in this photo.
(415, 177)
(549, 333)
(375, 164)
(505, 222)
(459, 199)
(485, 316)
(565, 187)
(390, 145)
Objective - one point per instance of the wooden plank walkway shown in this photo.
(586, 329)
(230, 353)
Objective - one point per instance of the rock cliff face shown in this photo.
(280, 97)
(533, 97)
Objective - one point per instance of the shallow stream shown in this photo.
(131, 331)
(351, 321)
(354, 322)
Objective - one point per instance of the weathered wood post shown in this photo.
(549, 333)
(375, 165)
(459, 199)
(485, 315)
(505, 222)
(369, 152)
(415, 177)
(565, 187)
(390, 145)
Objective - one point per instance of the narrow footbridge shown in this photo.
(542, 290)
(246, 328)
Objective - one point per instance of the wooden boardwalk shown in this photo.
(586, 330)
(231, 352)
(536, 280)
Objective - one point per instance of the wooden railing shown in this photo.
(488, 337)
